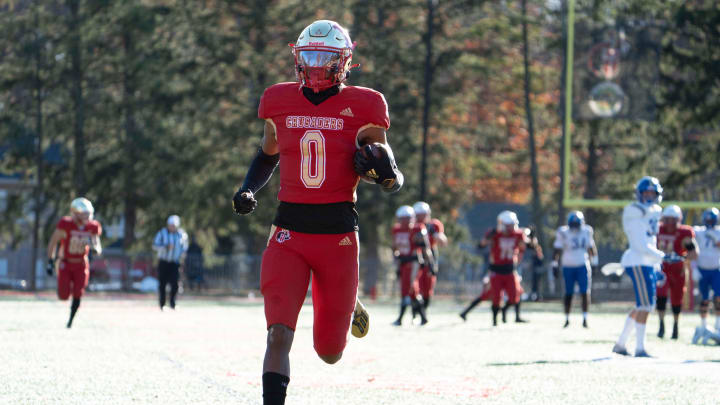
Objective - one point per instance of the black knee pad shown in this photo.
(661, 303)
(677, 309)
(717, 303)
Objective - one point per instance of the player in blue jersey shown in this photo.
(642, 259)
(575, 251)
(708, 263)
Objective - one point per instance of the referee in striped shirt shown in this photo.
(171, 243)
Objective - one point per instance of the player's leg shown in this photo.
(619, 347)
(512, 289)
(704, 286)
(677, 293)
(284, 278)
(583, 274)
(80, 278)
(662, 299)
(173, 279)
(715, 283)
(416, 301)
(63, 281)
(405, 290)
(645, 277)
(427, 290)
(162, 281)
(569, 278)
(496, 288)
(334, 293)
(484, 296)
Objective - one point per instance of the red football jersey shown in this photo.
(76, 243)
(317, 143)
(405, 238)
(506, 249)
(676, 241)
(434, 227)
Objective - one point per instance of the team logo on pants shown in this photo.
(282, 236)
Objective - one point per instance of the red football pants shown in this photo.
(500, 283)
(675, 284)
(75, 275)
(332, 259)
(426, 282)
(408, 286)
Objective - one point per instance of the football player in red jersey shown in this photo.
(507, 243)
(324, 134)
(410, 247)
(77, 234)
(678, 243)
(427, 276)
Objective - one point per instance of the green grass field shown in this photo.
(124, 350)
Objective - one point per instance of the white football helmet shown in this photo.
(405, 211)
(421, 207)
(174, 220)
(672, 211)
(81, 206)
(506, 218)
(323, 53)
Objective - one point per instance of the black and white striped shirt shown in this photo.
(171, 245)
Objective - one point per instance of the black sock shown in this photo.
(403, 307)
(73, 309)
(517, 311)
(274, 388)
(417, 306)
(568, 303)
(495, 311)
(426, 302)
(472, 305)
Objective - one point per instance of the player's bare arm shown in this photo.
(56, 237)
(95, 244)
(380, 167)
(260, 171)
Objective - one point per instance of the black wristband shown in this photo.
(260, 171)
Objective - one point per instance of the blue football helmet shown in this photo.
(710, 217)
(648, 183)
(575, 219)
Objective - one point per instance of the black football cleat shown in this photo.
(674, 332)
(585, 324)
(463, 316)
(567, 323)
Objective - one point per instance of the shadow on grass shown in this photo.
(590, 341)
(530, 363)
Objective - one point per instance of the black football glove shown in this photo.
(50, 268)
(381, 170)
(244, 202)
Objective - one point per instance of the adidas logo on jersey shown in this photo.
(345, 242)
(347, 112)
